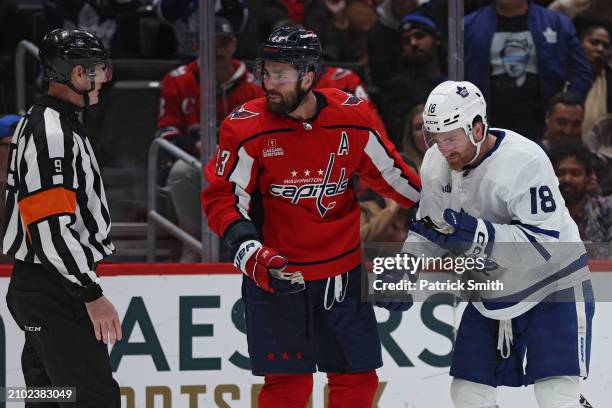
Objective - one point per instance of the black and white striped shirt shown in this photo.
(56, 210)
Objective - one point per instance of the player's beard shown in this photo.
(571, 193)
(286, 102)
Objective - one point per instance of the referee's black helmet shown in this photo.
(61, 50)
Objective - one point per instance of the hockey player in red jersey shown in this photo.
(292, 154)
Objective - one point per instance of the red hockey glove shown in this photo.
(265, 266)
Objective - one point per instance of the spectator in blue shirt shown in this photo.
(520, 55)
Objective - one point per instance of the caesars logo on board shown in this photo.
(148, 345)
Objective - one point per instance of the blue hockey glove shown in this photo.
(430, 230)
(460, 233)
(464, 231)
(265, 267)
(471, 236)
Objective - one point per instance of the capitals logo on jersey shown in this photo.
(241, 113)
(320, 188)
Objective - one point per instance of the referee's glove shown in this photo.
(265, 267)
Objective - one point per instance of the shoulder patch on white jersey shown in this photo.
(242, 113)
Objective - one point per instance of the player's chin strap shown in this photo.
(477, 144)
(505, 338)
(339, 290)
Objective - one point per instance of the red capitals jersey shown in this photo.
(301, 170)
(179, 105)
(343, 79)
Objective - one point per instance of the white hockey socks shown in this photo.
(558, 392)
(468, 394)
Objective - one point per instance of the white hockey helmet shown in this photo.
(455, 105)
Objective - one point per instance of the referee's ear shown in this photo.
(79, 78)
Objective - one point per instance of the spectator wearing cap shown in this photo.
(179, 120)
(592, 212)
(421, 69)
(519, 55)
(594, 34)
(383, 39)
(8, 124)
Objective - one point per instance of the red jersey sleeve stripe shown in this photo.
(392, 174)
(241, 177)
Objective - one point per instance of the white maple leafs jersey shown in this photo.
(535, 242)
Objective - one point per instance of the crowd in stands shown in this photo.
(544, 67)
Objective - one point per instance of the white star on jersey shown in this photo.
(307, 172)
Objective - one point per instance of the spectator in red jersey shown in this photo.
(179, 121)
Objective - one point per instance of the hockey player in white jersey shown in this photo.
(493, 193)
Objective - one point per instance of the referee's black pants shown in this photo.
(60, 348)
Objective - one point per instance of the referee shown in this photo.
(57, 225)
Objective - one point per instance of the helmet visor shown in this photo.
(451, 140)
(274, 73)
(101, 72)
